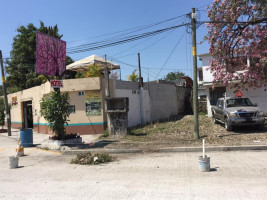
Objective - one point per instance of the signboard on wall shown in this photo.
(56, 83)
(50, 55)
(93, 103)
(14, 101)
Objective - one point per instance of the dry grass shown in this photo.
(181, 133)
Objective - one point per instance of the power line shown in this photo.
(142, 43)
(171, 54)
(148, 45)
(93, 46)
(138, 29)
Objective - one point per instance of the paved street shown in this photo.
(48, 175)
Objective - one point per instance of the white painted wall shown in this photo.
(207, 75)
(257, 95)
(134, 116)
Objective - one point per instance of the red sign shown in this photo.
(239, 94)
(56, 83)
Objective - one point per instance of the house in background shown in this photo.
(212, 92)
(160, 100)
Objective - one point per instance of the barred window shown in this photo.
(71, 108)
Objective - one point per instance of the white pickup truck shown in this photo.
(236, 111)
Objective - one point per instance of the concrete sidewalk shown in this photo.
(38, 138)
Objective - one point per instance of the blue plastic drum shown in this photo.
(26, 137)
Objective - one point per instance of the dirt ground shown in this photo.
(180, 133)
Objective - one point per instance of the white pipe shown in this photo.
(203, 148)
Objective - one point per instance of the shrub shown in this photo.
(55, 110)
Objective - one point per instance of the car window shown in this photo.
(238, 102)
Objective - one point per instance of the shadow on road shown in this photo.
(99, 144)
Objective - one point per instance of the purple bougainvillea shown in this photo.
(50, 55)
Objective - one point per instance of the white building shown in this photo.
(210, 91)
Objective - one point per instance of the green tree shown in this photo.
(55, 109)
(2, 112)
(172, 76)
(93, 71)
(69, 74)
(133, 76)
(21, 67)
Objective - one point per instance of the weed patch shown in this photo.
(92, 159)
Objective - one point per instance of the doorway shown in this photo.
(27, 114)
(215, 94)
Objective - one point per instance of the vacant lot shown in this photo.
(180, 132)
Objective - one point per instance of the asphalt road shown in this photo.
(48, 175)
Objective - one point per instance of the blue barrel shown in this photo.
(26, 137)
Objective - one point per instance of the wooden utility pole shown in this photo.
(195, 85)
(140, 76)
(5, 96)
(141, 85)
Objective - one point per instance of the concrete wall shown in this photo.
(131, 90)
(256, 95)
(160, 100)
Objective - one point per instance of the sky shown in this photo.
(87, 21)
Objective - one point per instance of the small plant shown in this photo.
(105, 134)
(45, 148)
(92, 159)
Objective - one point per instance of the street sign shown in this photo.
(56, 83)
(239, 94)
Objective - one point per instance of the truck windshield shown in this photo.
(238, 102)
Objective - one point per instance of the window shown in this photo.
(81, 93)
(71, 108)
(93, 108)
(200, 75)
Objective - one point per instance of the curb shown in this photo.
(111, 151)
(214, 148)
(169, 149)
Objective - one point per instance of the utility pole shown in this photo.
(107, 92)
(141, 84)
(195, 85)
(5, 96)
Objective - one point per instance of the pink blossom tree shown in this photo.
(238, 31)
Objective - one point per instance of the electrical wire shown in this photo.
(170, 54)
(94, 46)
(143, 27)
(142, 42)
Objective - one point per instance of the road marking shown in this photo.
(29, 151)
(54, 152)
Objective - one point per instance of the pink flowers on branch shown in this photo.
(231, 42)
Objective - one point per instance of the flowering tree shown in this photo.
(238, 31)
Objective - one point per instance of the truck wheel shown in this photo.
(227, 125)
(214, 119)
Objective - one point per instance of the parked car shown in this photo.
(237, 111)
